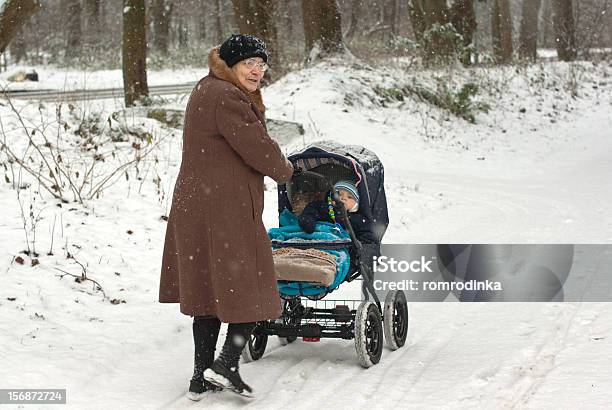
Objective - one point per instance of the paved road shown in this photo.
(75, 95)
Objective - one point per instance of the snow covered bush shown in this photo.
(459, 102)
(72, 154)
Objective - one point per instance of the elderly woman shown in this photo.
(217, 260)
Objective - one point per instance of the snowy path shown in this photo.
(561, 198)
(465, 356)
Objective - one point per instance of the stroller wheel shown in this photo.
(256, 346)
(368, 334)
(395, 319)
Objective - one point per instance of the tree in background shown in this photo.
(441, 32)
(13, 14)
(74, 33)
(201, 25)
(256, 17)
(244, 16)
(161, 13)
(545, 25)
(501, 31)
(182, 32)
(385, 26)
(528, 38)
(417, 19)
(439, 44)
(389, 13)
(563, 19)
(198, 25)
(322, 29)
(218, 36)
(93, 20)
(590, 24)
(265, 27)
(134, 52)
(463, 19)
(18, 47)
(353, 19)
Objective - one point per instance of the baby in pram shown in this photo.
(327, 211)
(302, 265)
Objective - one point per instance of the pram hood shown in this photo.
(367, 170)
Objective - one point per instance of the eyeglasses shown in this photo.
(251, 63)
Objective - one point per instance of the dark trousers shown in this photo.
(205, 335)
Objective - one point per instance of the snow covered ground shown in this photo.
(535, 169)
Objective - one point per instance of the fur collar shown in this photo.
(220, 70)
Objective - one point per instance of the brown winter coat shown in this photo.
(217, 257)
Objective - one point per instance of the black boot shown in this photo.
(224, 371)
(205, 334)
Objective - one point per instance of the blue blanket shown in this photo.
(325, 232)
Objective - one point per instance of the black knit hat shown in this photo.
(242, 46)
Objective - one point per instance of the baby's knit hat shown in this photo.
(348, 186)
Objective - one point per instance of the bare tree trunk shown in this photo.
(590, 23)
(256, 17)
(265, 27)
(609, 25)
(528, 40)
(218, 28)
(13, 16)
(331, 27)
(92, 12)
(544, 23)
(464, 22)
(389, 8)
(162, 12)
(18, 47)
(202, 13)
(183, 40)
(244, 16)
(286, 18)
(73, 26)
(354, 18)
(417, 19)
(429, 19)
(322, 28)
(438, 47)
(134, 51)
(563, 19)
(501, 31)
(310, 18)
(393, 17)
(495, 29)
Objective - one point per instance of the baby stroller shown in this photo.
(318, 168)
